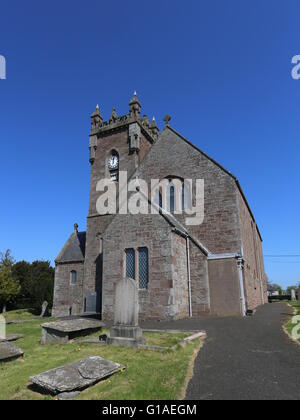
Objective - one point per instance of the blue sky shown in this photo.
(222, 69)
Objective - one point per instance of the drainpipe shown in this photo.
(189, 276)
(241, 278)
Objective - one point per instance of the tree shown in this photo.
(9, 284)
(277, 288)
(22, 271)
(6, 259)
(41, 283)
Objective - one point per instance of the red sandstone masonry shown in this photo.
(66, 295)
(254, 274)
(227, 228)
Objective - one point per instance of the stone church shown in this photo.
(216, 267)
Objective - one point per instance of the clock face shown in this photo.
(113, 162)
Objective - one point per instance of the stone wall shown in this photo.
(224, 284)
(254, 273)
(199, 281)
(96, 224)
(68, 299)
(180, 276)
(161, 300)
(173, 156)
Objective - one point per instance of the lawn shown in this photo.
(149, 375)
(20, 315)
(290, 325)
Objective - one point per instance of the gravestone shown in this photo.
(11, 337)
(9, 352)
(293, 294)
(91, 303)
(64, 331)
(125, 331)
(76, 376)
(44, 309)
(2, 328)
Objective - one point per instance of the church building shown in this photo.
(182, 270)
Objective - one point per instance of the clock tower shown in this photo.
(118, 144)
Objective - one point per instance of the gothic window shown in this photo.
(73, 276)
(130, 263)
(158, 198)
(113, 166)
(186, 196)
(172, 198)
(143, 268)
(174, 195)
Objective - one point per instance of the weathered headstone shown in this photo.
(9, 351)
(44, 309)
(91, 303)
(293, 294)
(126, 331)
(2, 328)
(11, 337)
(76, 376)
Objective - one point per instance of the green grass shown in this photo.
(289, 325)
(148, 374)
(19, 315)
(164, 340)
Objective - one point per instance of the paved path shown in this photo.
(245, 358)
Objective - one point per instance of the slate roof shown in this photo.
(74, 249)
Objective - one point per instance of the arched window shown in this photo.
(73, 277)
(172, 198)
(174, 195)
(158, 198)
(113, 165)
(186, 195)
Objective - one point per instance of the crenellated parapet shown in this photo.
(115, 122)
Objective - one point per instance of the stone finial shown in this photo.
(167, 119)
(96, 118)
(114, 116)
(76, 228)
(135, 106)
(146, 122)
(154, 128)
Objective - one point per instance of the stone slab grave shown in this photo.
(11, 337)
(64, 331)
(125, 331)
(9, 352)
(76, 376)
